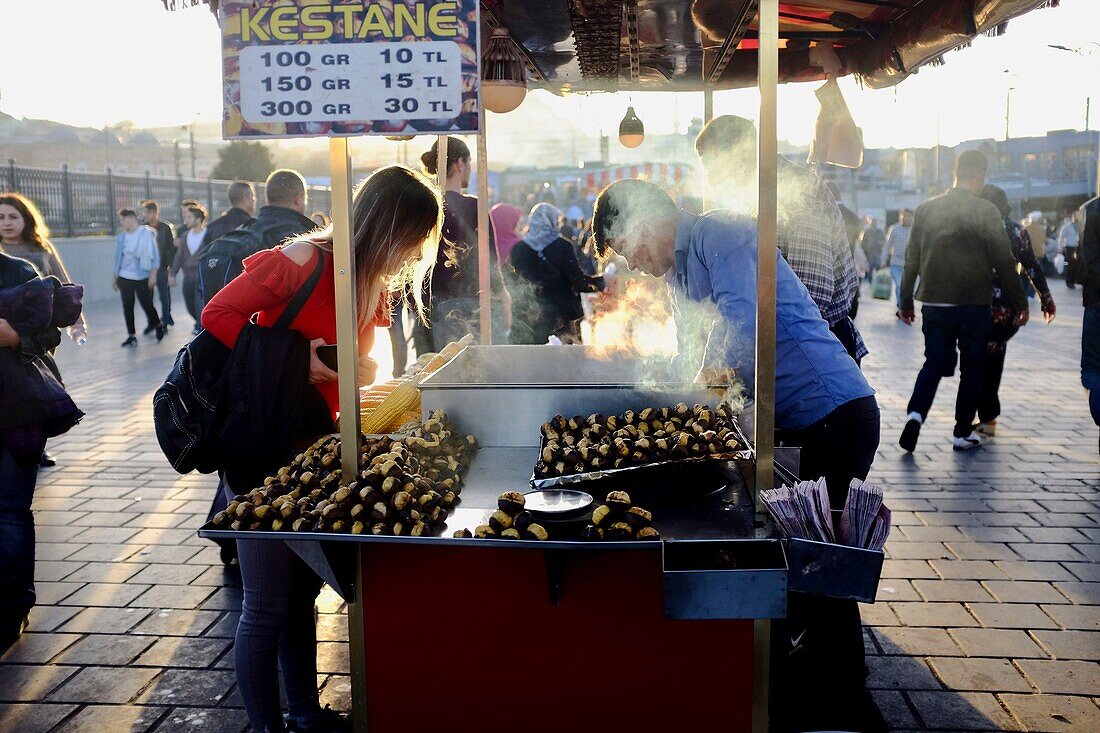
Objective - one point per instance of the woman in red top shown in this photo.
(397, 216)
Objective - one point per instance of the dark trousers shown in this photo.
(989, 402)
(1071, 266)
(129, 289)
(165, 293)
(818, 668)
(1090, 358)
(191, 296)
(947, 328)
(277, 631)
(399, 346)
(17, 481)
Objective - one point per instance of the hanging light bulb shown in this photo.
(503, 74)
(400, 138)
(631, 129)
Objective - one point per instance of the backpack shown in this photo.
(223, 259)
(189, 409)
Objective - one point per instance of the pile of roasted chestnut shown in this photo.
(618, 519)
(510, 521)
(405, 486)
(598, 443)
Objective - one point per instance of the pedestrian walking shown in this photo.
(872, 240)
(811, 233)
(546, 282)
(135, 274)
(35, 408)
(1068, 239)
(1089, 252)
(24, 234)
(398, 216)
(957, 244)
(166, 248)
(1005, 316)
(186, 261)
(893, 252)
(242, 207)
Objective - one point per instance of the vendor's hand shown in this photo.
(368, 371)
(78, 333)
(1023, 317)
(9, 337)
(114, 283)
(318, 372)
(907, 317)
(1048, 308)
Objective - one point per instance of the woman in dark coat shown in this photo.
(546, 281)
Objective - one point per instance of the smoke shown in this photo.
(632, 318)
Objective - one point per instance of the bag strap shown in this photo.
(294, 307)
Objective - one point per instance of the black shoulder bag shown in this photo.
(189, 409)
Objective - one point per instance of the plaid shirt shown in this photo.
(814, 242)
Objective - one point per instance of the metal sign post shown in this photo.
(767, 212)
(484, 293)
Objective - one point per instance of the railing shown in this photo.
(78, 204)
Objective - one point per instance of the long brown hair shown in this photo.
(396, 222)
(35, 230)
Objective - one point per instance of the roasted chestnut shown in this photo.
(510, 534)
(619, 531)
(648, 533)
(536, 532)
(600, 514)
(500, 520)
(592, 532)
(484, 531)
(618, 500)
(637, 517)
(463, 534)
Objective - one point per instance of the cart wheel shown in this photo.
(228, 554)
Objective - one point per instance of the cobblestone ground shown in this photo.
(987, 617)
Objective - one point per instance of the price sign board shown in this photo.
(305, 68)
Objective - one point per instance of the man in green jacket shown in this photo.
(957, 243)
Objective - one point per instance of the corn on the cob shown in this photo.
(404, 398)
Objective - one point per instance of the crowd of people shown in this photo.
(417, 274)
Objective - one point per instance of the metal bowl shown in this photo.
(555, 502)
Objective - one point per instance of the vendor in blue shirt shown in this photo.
(822, 403)
(822, 400)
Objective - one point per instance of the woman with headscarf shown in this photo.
(546, 282)
(506, 227)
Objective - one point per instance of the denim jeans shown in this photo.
(16, 537)
(277, 631)
(895, 275)
(164, 290)
(1090, 358)
(947, 328)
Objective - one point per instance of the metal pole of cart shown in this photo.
(347, 361)
(483, 262)
(768, 150)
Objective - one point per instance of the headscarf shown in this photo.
(542, 226)
(505, 218)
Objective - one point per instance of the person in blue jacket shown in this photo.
(135, 273)
(823, 404)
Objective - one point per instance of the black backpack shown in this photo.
(223, 259)
(189, 409)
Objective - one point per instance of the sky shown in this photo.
(155, 68)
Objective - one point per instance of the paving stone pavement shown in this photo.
(987, 616)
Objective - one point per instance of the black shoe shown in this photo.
(46, 460)
(327, 721)
(11, 631)
(160, 332)
(168, 321)
(909, 433)
(148, 330)
(132, 341)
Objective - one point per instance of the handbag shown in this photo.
(188, 409)
(881, 282)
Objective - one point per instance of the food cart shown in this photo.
(558, 633)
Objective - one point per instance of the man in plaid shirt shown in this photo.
(811, 233)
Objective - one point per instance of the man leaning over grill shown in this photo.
(822, 403)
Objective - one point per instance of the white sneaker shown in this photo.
(968, 443)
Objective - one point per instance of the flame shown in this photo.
(632, 318)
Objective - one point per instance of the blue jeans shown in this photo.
(1090, 358)
(895, 275)
(16, 537)
(947, 328)
(277, 630)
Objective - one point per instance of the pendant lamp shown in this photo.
(400, 138)
(631, 129)
(503, 74)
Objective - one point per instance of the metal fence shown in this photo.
(78, 204)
